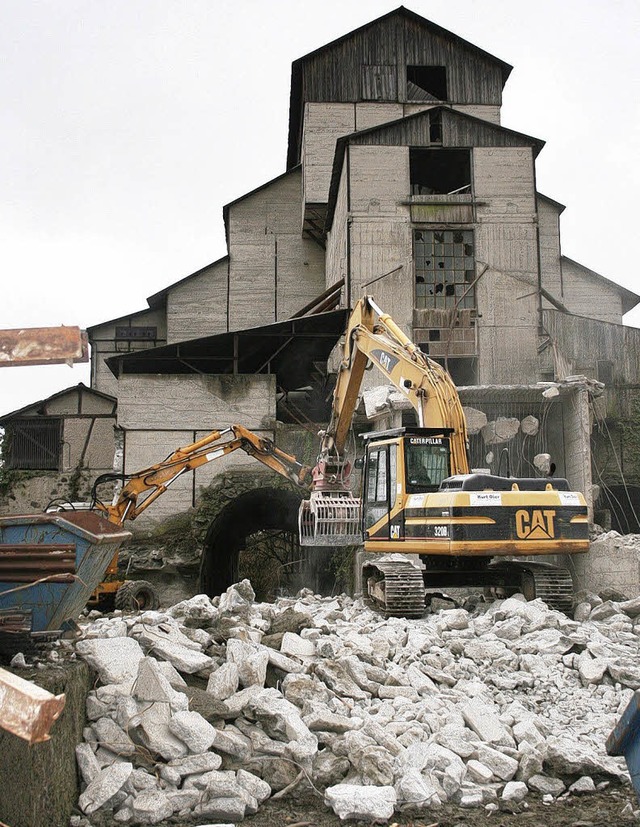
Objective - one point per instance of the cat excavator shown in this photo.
(419, 497)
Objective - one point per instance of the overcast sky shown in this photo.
(128, 124)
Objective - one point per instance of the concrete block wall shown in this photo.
(104, 344)
(197, 306)
(613, 561)
(160, 414)
(273, 271)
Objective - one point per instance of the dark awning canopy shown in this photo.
(289, 349)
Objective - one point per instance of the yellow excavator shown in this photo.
(418, 495)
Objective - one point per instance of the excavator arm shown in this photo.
(144, 487)
(373, 336)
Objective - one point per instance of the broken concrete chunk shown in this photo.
(112, 737)
(88, 764)
(193, 730)
(500, 430)
(476, 420)
(545, 785)
(514, 791)
(255, 786)
(156, 735)
(104, 786)
(350, 801)
(297, 646)
(224, 681)
(151, 806)
(114, 659)
(487, 726)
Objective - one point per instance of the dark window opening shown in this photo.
(435, 127)
(605, 371)
(33, 444)
(440, 171)
(434, 335)
(427, 83)
(426, 462)
(444, 269)
(462, 370)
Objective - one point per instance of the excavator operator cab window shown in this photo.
(426, 463)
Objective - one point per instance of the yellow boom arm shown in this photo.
(144, 487)
(372, 335)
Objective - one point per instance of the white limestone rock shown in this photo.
(479, 717)
(297, 646)
(369, 803)
(193, 730)
(104, 787)
(224, 681)
(156, 735)
(583, 785)
(151, 806)
(514, 791)
(545, 785)
(88, 764)
(114, 659)
(112, 737)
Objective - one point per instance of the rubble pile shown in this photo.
(212, 706)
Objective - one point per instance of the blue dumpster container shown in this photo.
(624, 739)
(49, 566)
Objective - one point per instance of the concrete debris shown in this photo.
(480, 709)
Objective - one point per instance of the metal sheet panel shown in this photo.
(43, 346)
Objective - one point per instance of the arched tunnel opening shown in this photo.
(256, 536)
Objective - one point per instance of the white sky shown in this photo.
(127, 125)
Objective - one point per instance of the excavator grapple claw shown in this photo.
(330, 519)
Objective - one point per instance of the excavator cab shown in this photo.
(398, 463)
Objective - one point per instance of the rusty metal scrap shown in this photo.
(43, 346)
(27, 710)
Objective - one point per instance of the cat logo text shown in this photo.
(537, 524)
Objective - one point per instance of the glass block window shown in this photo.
(444, 268)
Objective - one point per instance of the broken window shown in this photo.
(440, 171)
(444, 269)
(426, 83)
(33, 444)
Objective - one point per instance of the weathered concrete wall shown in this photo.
(273, 271)
(324, 123)
(162, 413)
(38, 783)
(585, 294)
(104, 344)
(613, 561)
(337, 239)
(549, 229)
(197, 306)
(506, 243)
(584, 342)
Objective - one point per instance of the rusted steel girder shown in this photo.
(27, 710)
(43, 346)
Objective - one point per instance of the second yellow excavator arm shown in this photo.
(144, 487)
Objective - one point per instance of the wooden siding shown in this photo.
(549, 229)
(586, 295)
(335, 73)
(273, 270)
(198, 306)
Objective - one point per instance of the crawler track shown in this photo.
(395, 588)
